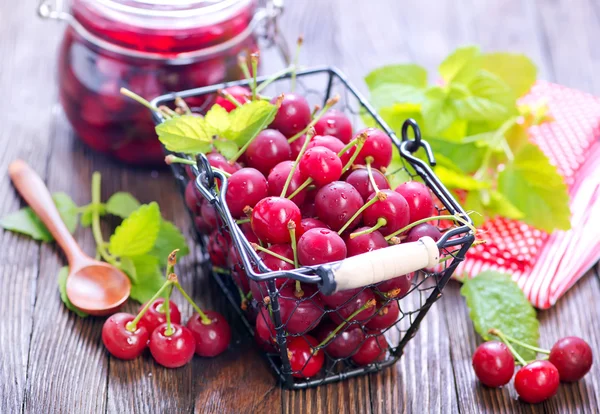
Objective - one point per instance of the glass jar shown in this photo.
(150, 47)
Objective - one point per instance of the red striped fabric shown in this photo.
(546, 265)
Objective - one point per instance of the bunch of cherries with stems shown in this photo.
(568, 360)
(309, 190)
(157, 326)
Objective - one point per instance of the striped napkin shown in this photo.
(546, 265)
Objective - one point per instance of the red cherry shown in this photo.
(210, 215)
(321, 164)
(121, 342)
(293, 115)
(359, 179)
(175, 350)
(345, 342)
(372, 350)
(401, 284)
(335, 123)
(156, 314)
(378, 145)
(422, 230)
(213, 338)
(365, 242)
(493, 363)
(336, 203)
(394, 209)
(259, 289)
(345, 312)
(296, 146)
(572, 356)
(239, 93)
(307, 224)
(419, 199)
(318, 246)
(340, 298)
(201, 225)
(219, 161)
(218, 247)
(246, 187)
(277, 178)
(267, 150)
(193, 198)
(386, 315)
(270, 218)
(537, 381)
(331, 143)
(265, 330)
(304, 362)
(300, 315)
(247, 230)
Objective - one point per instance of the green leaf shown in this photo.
(516, 70)
(62, 288)
(473, 202)
(227, 148)
(454, 178)
(467, 157)
(535, 187)
(186, 134)
(137, 234)
(218, 120)
(497, 302)
(169, 238)
(122, 204)
(249, 119)
(438, 110)
(67, 210)
(490, 99)
(394, 93)
(407, 74)
(148, 277)
(462, 65)
(500, 206)
(86, 216)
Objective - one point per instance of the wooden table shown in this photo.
(52, 361)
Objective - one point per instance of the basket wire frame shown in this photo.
(318, 85)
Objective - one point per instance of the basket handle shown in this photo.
(379, 265)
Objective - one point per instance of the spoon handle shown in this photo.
(29, 184)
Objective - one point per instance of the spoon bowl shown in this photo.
(94, 287)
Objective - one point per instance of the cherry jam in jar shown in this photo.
(150, 47)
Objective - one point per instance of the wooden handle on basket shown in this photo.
(383, 264)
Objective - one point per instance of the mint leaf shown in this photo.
(249, 119)
(218, 120)
(490, 99)
(516, 70)
(86, 216)
(137, 233)
(406, 74)
(473, 202)
(495, 301)
(462, 65)
(393, 93)
(25, 221)
(457, 153)
(122, 204)
(67, 210)
(148, 278)
(454, 178)
(187, 134)
(227, 148)
(169, 238)
(535, 187)
(500, 206)
(62, 288)
(438, 110)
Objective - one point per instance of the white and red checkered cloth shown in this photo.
(546, 265)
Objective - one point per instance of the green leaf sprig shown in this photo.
(139, 246)
(478, 132)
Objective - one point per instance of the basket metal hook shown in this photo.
(413, 145)
(206, 175)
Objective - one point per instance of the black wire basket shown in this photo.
(236, 263)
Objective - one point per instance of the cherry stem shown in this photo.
(243, 300)
(96, 230)
(292, 230)
(274, 77)
(144, 102)
(309, 135)
(173, 159)
(169, 330)
(296, 56)
(455, 217)
(500, 335)
(243, 64)
(243, 221)
(132, 326)
(359, 142)
(220, 270)
(205, 319)
(183, 105)
(379, 196)
(520, 343)
(369, 160)
(370, 303)
(302, 187)
(278, 256)
(380, 223)
(315, 110)
(312, 123)
(223, 93)
(254, 62)
(225, 173)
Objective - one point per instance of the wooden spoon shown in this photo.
(93, 286)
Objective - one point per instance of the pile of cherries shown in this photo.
(157, 326)
(568, 361)
(309, 190)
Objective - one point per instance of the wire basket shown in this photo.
(236, 265)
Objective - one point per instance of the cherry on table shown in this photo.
(493, 364)
(239, 93)
(335, 123)
(278, 177)
(318, 246)
(359, 179)
(386, 315)
(365, 242)
(267, 150)
(572, 356)
(321, 164)
(293, 115)
(336, 203)
(537, 381)
(423, 230)
(345, 342)
(372, 350)
(120, 341)
(270, 218)
(304, 362)
(246, 187)
(378, 146)
(419, 199)
(156, 314)
(212, 338)
(300, 314)
(175, 350)
(392, 207)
